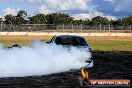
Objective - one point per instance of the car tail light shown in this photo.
(90, 51)
(88, 60)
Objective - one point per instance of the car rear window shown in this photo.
(74, 41)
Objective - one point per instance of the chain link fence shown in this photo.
(60, 27)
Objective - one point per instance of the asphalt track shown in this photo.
(108, 65)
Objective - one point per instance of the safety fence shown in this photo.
(60, 27)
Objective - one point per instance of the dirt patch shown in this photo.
(97, 38)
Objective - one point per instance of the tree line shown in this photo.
(62, 18)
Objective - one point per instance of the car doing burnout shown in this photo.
(74, 41)
(69, 41)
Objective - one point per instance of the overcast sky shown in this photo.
(79, 9)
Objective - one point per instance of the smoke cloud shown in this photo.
(39, 59)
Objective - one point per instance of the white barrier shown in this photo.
(58, 33)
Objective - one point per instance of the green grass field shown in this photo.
(111, 45)
(97, 45)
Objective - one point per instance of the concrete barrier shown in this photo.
(58, 33)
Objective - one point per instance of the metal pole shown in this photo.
(57, 27)
(12, 28)
(1, 26)
(100, 27)
(109, 26)
(81, 27)
(63, 26)
(72, 26)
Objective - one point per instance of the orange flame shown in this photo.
(84, 73)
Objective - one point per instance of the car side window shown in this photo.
(52, 40)
(58, 40)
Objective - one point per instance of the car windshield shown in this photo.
(73, 41)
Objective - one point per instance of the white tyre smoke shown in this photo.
(39, 59)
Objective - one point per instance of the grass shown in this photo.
(97, 43)
(111, 45)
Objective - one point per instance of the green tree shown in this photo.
(37, 19)
(20, 18)
(77, 22)
(99, 20)
(127, 21)
(84, 22)
(1, 20)
(58, 18)
(117, 22)
(9, 19)
(22, 13)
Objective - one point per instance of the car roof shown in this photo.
(69, 36)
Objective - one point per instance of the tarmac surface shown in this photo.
(107, 65)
